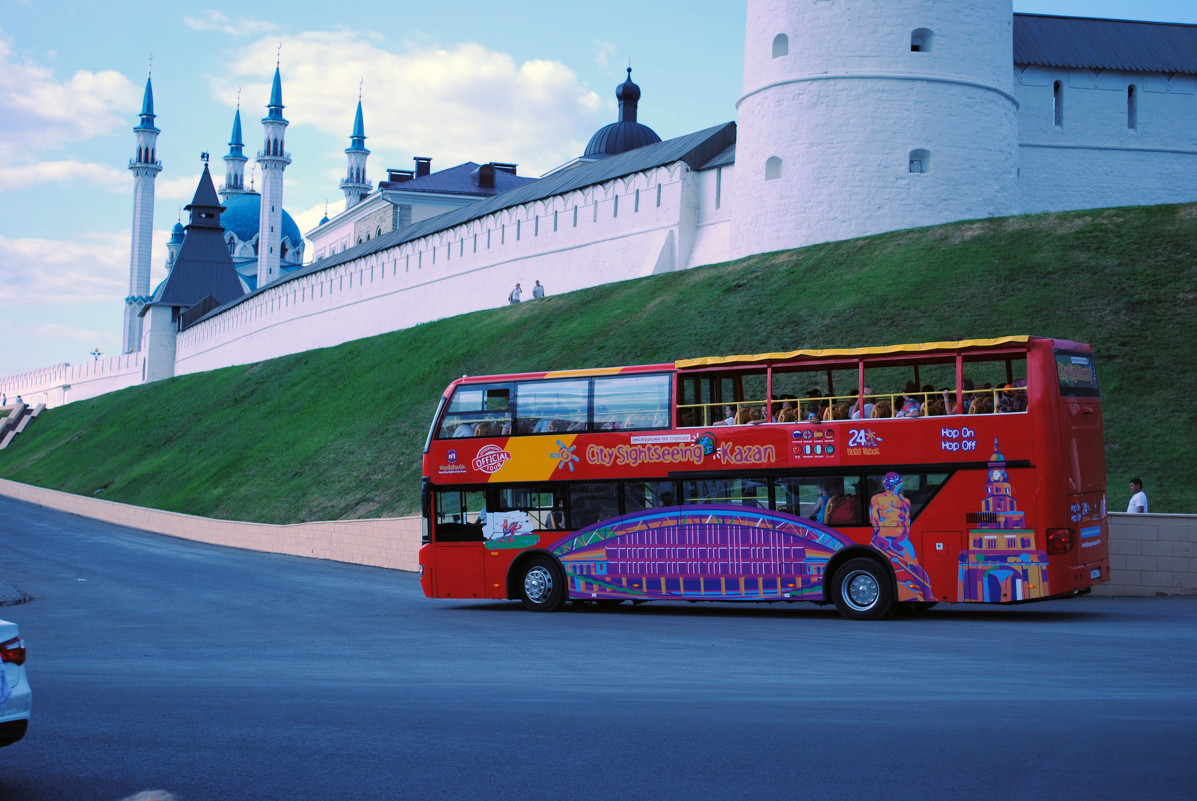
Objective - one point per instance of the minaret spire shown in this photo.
(234, 162)
(145, 168)
(273, 160)
(355, 185)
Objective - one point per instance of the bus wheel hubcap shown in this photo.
(538, 583)
(862, 590)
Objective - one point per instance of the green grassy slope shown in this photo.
(337, 433)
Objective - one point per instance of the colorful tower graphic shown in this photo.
(1003, 561)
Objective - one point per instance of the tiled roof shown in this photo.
(459, 180)
(1101, 44)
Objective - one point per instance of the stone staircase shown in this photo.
(19, 416)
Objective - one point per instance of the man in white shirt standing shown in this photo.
(1138, 501)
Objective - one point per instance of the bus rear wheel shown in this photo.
(862, 590)
(542, 588)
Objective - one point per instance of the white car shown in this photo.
(16, 698)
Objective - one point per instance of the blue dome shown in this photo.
(627, 134)
(620, 137)
(176, 233)
(242, 214)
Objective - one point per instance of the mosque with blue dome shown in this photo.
(262, 244)
(262, 240)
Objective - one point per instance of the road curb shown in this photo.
(11, 596)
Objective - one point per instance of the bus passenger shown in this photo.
(816, 514)
(556, 518)
(867, 405)
(910, 405)
(729, 417)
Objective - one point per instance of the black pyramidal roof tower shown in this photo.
(203, 271)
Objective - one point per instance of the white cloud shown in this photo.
(60, 331)
(16, 177)
(41, 112)
(213, 21)
(181, 188)
(54, 272)
(603, 52)
(465, 103)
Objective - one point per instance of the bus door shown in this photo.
(941, 560)
(457, 568)
(1084, 456)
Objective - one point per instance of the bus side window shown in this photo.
(460, 515)
(543, 505)
(843, 501)
(592, 503)
(632, 402)
(802, 497)
(917, 488)
(641, 495)
(727, 492)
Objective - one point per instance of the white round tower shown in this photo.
(860, 117)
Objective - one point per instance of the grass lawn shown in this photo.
(338, 433)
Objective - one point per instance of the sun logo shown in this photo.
(566, 456)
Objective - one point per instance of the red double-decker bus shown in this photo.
(969, 471)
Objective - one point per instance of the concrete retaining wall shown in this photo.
(1149, 554)
(385, 542)
(1152, 555)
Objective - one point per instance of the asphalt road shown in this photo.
(223, 674)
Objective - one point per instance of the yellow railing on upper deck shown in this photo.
(829, 353)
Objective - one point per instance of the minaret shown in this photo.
(145, 167)
(173, 244)
(234, 162)
(355, 184)
(273, 159)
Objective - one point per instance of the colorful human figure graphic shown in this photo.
(889, 514)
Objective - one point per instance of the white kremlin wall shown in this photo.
(639, 225)
(1095, 158)
(63, 383)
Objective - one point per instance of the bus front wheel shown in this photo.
(542, 588)
(862, 590)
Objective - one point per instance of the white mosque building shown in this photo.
(855, 118)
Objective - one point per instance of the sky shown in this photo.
(456, 80)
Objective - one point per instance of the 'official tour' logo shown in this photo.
(490, 459)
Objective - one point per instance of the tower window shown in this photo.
(772, 168)
(920, 40)
(1132, 108)
(1058, 104)
(920, 161)
(781, 45)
